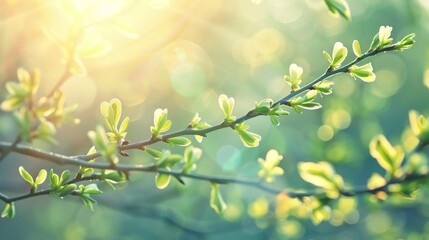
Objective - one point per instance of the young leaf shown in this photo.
(227, 105)
(324, 87)
(65, 175)
(407, 42)
(294, 78)
(364, 72)
(154, 153)
(53, 180)
(8, 211)
(190, 157)
(356, 48)
(216, 200)
(419, 125)
(339, 7)
(92, 189)
(179, 141)
(389, 157)
(269, 166)
(196, 124)
(323, 175)
(25, 175)
(66, 190)
(339, 53)
(160, 122)
(41, 177)
(384, 36)
(162, 180)
(249, 139)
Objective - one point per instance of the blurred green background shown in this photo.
(189, 52)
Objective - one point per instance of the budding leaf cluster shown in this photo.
(112, 112)
(323, 175)
(269, 166)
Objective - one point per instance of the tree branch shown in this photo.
(77, 161)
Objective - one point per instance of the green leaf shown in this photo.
(160, 122)
(8, 211)
(364, 72)
(264, 106)
(11, 103)
(310, 105)
(406, 43)
(41, 177)
(162, 180)
(190, 157)
(25, 175)
(375, 42)
(106, 149)
(227, 105)
(294, 78)
(419, 126)
(249, 139)
(197, 125)
(53, 180)
(339, 53)
(154, 153)
(89, 201)
(274, 120)
(384, 36)
(356, 48)
(66, 190)
(216, 200)
(179, 141)
(112, 175)
(124, 125)
(324, 87)
(390, 158)
(339, 7)
(92, 189)
(64, 177)
(323, 175)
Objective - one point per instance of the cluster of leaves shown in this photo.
(36, 118)
(405, 174)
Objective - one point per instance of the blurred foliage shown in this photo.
(182, 55)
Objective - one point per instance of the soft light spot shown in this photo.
(290, 228)
(187, 79)
(265, 46)
(159, 4)
(386, 85)
(378, 222)
(286, 11)
(325, 132)
(337, 218)
(228, 157)
(80, 90)
(339, 119)
(344, 87)
(352, 217)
